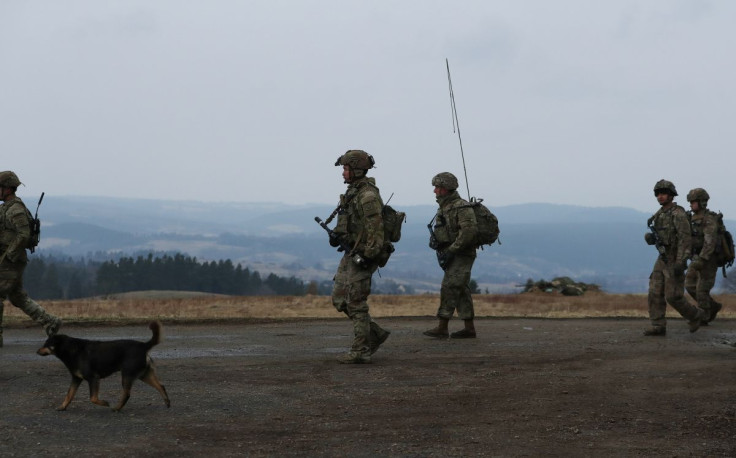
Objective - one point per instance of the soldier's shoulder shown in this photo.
(15, 206)
(678, 210)
(460, 203)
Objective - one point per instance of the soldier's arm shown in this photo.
(684, 237)
(710, 237)
(467, 228)
(373, 224)
(19, 232)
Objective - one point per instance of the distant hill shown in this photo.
(539, 241)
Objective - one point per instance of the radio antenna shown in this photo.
(456, 125)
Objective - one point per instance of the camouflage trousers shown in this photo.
(668, 287)
(11, 287)
(699, 283)
(352, 286)
(455, 290)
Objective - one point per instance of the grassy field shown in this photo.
(178, 306)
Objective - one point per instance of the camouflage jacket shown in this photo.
(455, 225)
(360, 218)
(673, 227)
(704, 231)
(15, 231)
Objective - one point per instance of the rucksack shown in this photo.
(488, 229)
(34, 223)
(724, 247)
(392, 221)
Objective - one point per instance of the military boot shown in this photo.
(378, 336)
(440, 331)
(715, 307)
(694, 324)
(467, 333)
(655, 331)
(354, 357)
(52, 325)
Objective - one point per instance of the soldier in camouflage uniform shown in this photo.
(667, 281)
(360, 223)
(15, 233)
(454, 240)
(701, 276)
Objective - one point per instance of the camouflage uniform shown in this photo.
(360, 222)
(667, 280)
(455, 230)
(701, 276)
(14, 235)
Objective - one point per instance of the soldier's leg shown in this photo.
(13, 280)
(464, 304)
(50, 323)
(691, 283)
(675, 296)
(378, 336)
(340, 286)
(448, 299)
(706, 282)
(656, 302)
(358, 290)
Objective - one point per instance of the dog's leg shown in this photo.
(150, 377)
(127, 385)
(76, 381)
(94, 391)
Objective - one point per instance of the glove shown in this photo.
(649, 238)
(334, 240)
(433, 244)
(697, 263)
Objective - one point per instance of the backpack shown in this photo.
(724, 247)
(392, 221)
(488, 229)
(34, 224)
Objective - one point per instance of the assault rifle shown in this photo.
(343, 244)
(657, 240)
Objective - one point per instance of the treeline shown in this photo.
(65, 278)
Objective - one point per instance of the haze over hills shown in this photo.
(538, 241)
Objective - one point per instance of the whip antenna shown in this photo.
(456, 124)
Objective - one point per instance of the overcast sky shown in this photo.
(580, 102)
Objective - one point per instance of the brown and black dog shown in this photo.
(93, 360)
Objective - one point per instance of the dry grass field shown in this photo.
(196, 307)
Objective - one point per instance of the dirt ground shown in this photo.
(525, 387)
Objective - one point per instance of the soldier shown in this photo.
(454, 236)
(15, 232)
(360, 223)
(701, 276)
(671, 235)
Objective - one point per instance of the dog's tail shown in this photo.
(155, 326)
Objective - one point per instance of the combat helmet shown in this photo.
(445, 180)
(664, 185)
(700, 195)
(9, 179)
(358, 160)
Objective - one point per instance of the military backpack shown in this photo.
(34, 224)
(392, 221)
(724, 250)
(488, 229)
